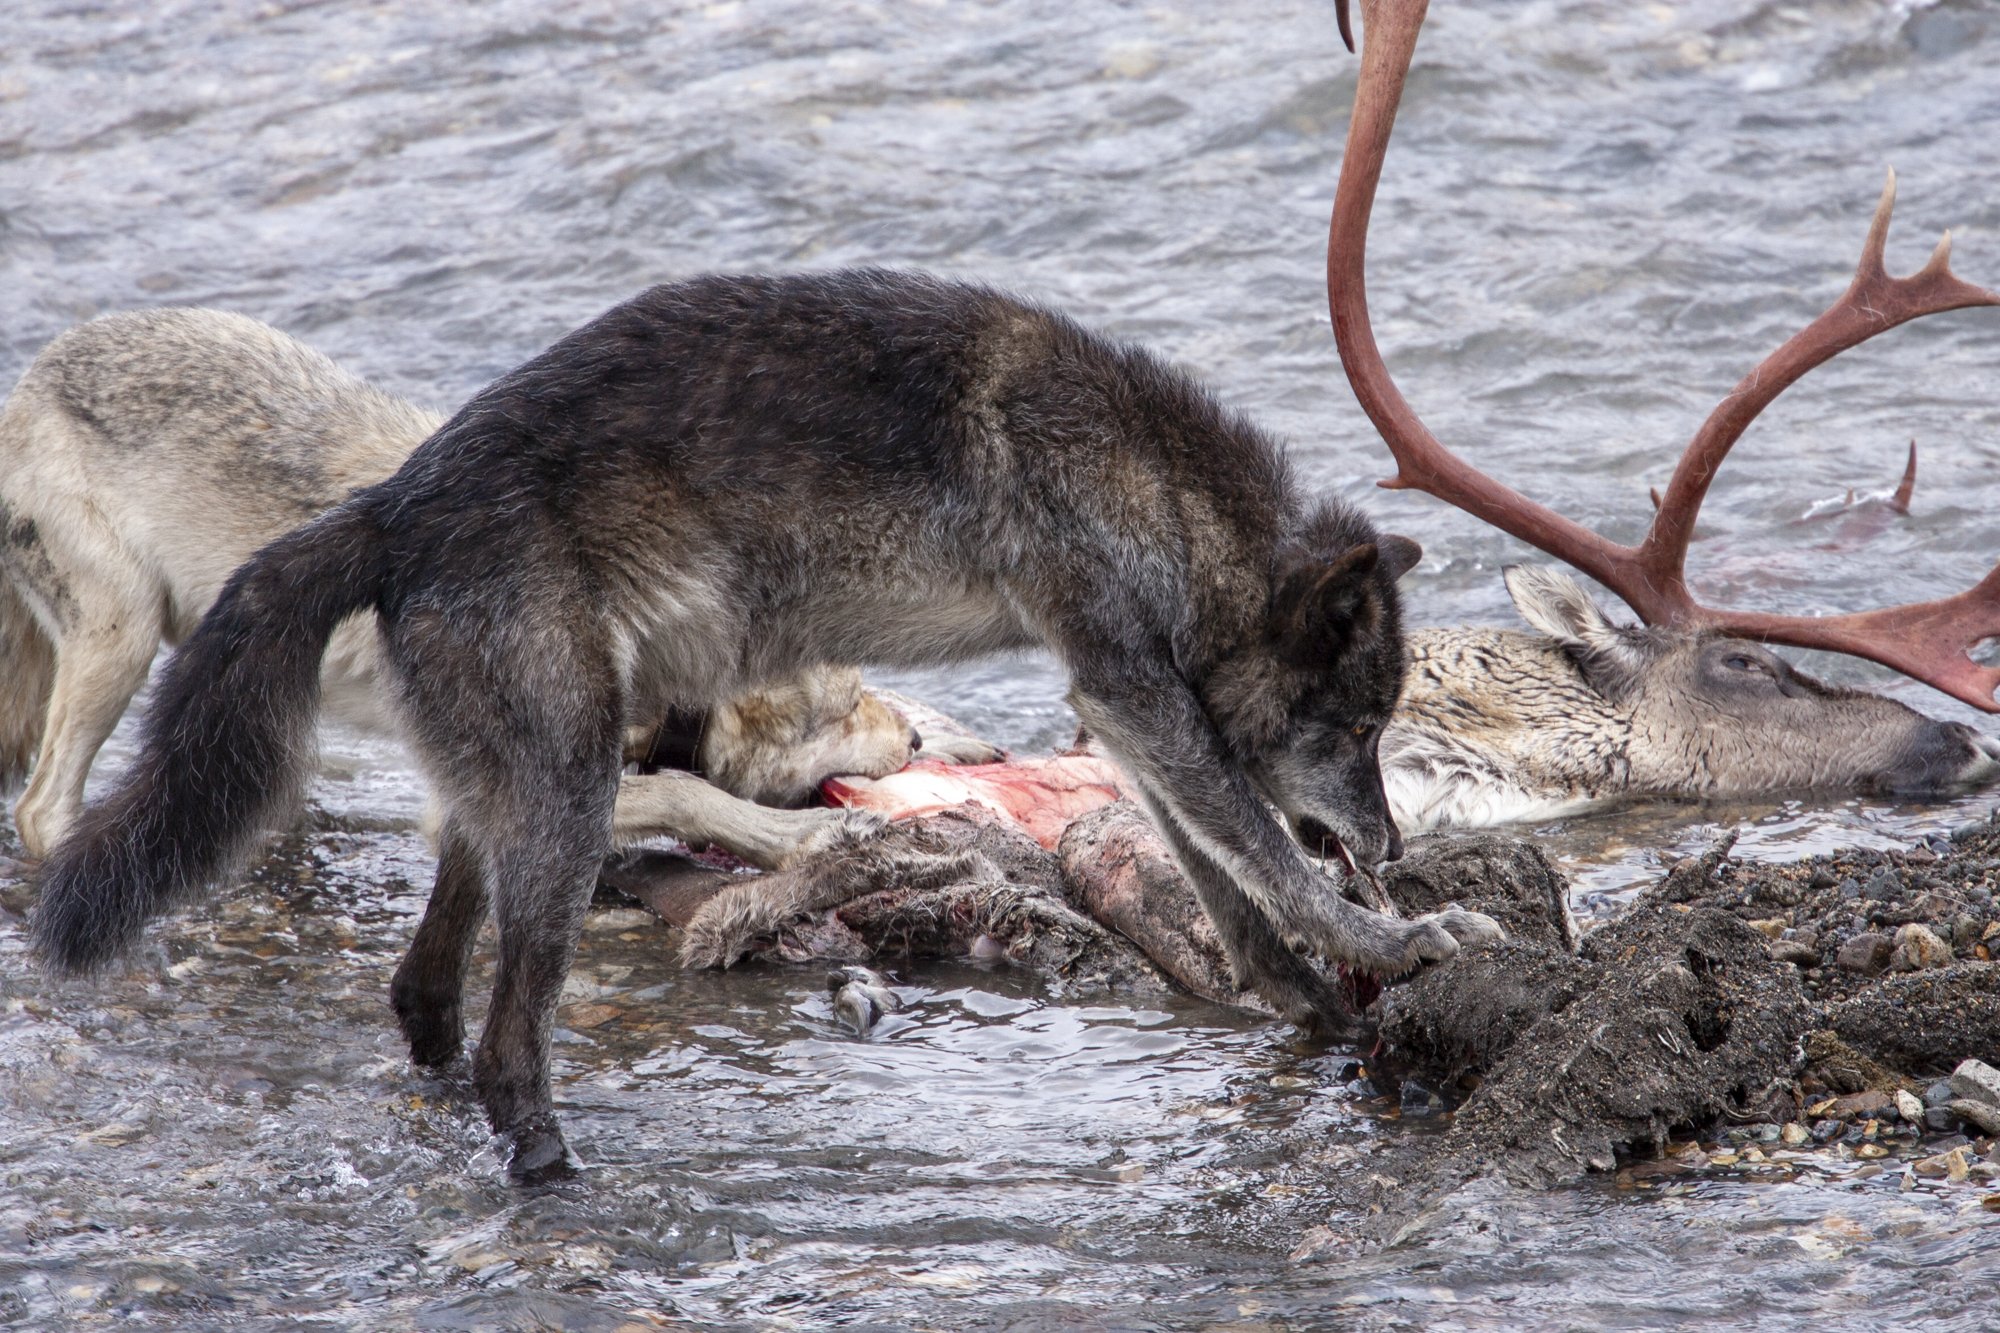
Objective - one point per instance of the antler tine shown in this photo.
(1930, 641)
(1873, 303)
(1907, 487)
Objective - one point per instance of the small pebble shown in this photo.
(1977, 1114)
(1794, 1134)
(1919, 948)
(1867, 954)
(1954, 1166)
(1870, 1152)
(1910, 1107)
(1794, 952)
(1976, 1081)
(1419, 1101)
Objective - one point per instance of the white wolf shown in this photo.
(144, 456)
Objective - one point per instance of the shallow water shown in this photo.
(1596, 217)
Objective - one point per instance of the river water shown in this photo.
(1596, 217)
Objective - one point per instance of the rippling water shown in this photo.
(1596, 217)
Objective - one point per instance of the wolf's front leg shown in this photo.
(1158, 731)
(696, 811)
(1260, 960)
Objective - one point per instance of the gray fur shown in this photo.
(1497, 725)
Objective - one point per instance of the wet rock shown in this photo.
(1940, 1119)
(1953, 1166)
(1909, 1106)
(1984, 1118)
(1977, 1081)
(861, 996)
(1938, 1093)
(1418, 1101)
(1844, 1069)
(673, 884)
(1918, 947)
(1866, 954)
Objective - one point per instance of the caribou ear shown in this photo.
(1399, 555)
(1320, 606)
(1556, 604)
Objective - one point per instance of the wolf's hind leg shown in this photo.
(27, 669)
(100, 665)
(428, 993)
(515, 707)
(681, 805)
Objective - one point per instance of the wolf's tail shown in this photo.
(27, 668)
(226, 746)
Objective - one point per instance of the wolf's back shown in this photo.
(225, 746)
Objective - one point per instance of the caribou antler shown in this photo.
(1930, 641)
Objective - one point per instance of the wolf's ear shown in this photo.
(1557, 605)
(1321, 606)
(1399, 554)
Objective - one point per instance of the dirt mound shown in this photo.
(1730, 991)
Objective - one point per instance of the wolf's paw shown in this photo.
(960, 750)
(1467, 926)
(1437, 936)
(539, 1156)
(833, 831)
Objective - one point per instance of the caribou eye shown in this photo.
(1742, 663)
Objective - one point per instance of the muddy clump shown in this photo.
(1834, 992)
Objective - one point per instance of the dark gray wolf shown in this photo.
(145, 455)
(731, 479)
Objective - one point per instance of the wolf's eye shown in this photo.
(1360, 729)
